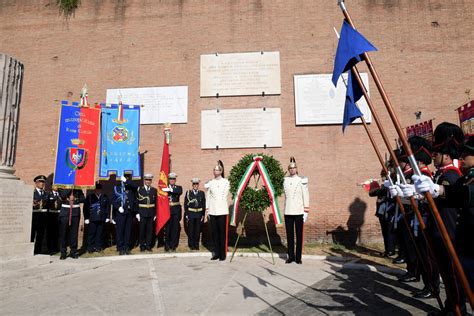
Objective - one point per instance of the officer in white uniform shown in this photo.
(296, 210)
(217, 208)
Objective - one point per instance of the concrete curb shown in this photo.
(208, 254)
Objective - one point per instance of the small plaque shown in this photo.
(240, 74)
(241, 128)
(160, 104)
(317, 101)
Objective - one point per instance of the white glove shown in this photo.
(387, 184)
(170, 188)
(123, 179)
(138, 217)
(107, 220)
(425, 184)
(113, 222)
(165, 190)
(121, 210)
(395, 191)
(305, 217)
(154, 218)
(86, 221)
(408, 190)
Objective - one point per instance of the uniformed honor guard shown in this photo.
(194, 207)
(447, 140)
(123, 212)
(217, 209)
(460, 195)
(296, 210)
(146, 199)
(53, 220)
(69, 217)
(96, 214)
(172, 226)
(40, 213)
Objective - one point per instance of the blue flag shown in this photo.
(349, 50)
(120, 140)
(353, 94)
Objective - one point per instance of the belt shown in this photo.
(174, 203)
(54, 211)
(195, 209)
(42, 210)
(146, 205)
(67, 205)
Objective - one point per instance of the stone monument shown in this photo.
(16, 250)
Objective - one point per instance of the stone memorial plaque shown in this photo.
(240, 74)
(160, 104)
(317, 101)
(16, 205)
(241, 128)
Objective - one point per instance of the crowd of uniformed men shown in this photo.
(451, 183)
(56, 214)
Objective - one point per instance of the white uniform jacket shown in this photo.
(217, 196)
(296, 195)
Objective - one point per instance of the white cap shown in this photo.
(172, 175)
(148, 176)
(195, 180)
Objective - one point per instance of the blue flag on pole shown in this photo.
(120, 140)
(353, 94)
(351, 46)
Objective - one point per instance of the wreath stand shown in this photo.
(243, 228)
(272, 177)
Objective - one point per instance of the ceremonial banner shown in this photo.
(466, 118)
(424, 129)
(120, 141)
(351, 46)
(163, 209)
(77, 146)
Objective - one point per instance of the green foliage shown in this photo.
(67, 7)
(256, 199)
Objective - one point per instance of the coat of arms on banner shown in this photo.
(76, 158)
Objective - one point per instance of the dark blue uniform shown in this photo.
(97, 211)
(124, 196)
(39, 218)
(53, 221)
(172, 226)
(461, 195)
(385, 210)
(449, 214)
(69, 217)
(194, 208)
(146, 200)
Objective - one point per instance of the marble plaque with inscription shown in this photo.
(317, 101)
(160, 104)
(241, 128)
(240, 74)
(16, 205)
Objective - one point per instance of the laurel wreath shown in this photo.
(256, 199)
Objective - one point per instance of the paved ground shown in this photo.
(192, 284)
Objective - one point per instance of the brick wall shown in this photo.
(425, 66)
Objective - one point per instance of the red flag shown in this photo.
(163, 209)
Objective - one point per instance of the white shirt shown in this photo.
(217, 196)
(296, 195)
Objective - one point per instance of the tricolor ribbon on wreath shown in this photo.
(257, 163)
